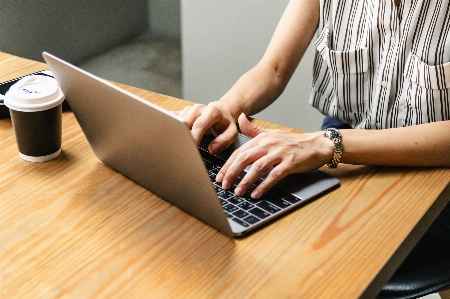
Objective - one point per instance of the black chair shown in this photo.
(426, 269)
(416, 278)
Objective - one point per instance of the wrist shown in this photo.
(323, 146)
(231, 104)
(335, 136)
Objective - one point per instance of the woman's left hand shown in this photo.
(280, 152)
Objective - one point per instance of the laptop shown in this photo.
(154, 148)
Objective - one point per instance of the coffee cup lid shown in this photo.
(34, 93)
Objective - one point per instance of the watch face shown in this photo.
(332, 133)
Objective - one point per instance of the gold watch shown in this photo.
(335, 136)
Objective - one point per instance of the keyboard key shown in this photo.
(247, 196)
(230, 208)
(226, 194)
(271, 208)
(243, 223)
(259, 213)
(292, 199)
(209, 165)
(245, 205)
(251, 219)
(214, 171)
(237, 181)
(210, 158)
(240, 214)
(280, 203)
(218, 188)
(235, 200)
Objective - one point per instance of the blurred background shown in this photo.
(190, 49)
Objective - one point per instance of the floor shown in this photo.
(144, 62)
(152, 64)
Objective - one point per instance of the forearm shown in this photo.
(264, 83)
(254, 91)
(421, 145)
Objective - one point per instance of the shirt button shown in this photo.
(393, 40)
(384, 84)
(378, 125)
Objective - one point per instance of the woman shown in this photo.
(381, 68)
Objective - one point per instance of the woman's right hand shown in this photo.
(211, 119)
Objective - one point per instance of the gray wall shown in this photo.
(164, 18)
(222, 39)
(71, 29)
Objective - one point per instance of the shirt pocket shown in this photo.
(348, 75)
(426, 91)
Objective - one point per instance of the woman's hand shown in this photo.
(213, 119)
(279, 151)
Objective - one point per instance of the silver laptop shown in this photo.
(154, 148)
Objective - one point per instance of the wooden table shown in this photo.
(74, 228)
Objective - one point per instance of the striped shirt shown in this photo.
(381, 66)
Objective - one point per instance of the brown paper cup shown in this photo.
(38, 134)
(35, 105)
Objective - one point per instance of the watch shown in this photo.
(335, 136)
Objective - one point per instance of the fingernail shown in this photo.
(225, 185)
(213, 148)
(219, 177)
(239, 191)
(255, 194)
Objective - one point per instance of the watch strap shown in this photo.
(335, 136)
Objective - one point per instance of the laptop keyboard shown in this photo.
(243, 209)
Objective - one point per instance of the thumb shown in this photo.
(247, 128)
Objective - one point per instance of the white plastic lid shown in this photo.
(34, 93)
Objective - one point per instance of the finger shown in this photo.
(203, 123)
(253, 143)
(257, 169)
(274, 176)
(247, 128)
(223, 140)
(191, 113)
(223, 170)
(236, 164)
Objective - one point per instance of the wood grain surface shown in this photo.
(74, 228)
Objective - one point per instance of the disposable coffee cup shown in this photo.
(35, 105)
